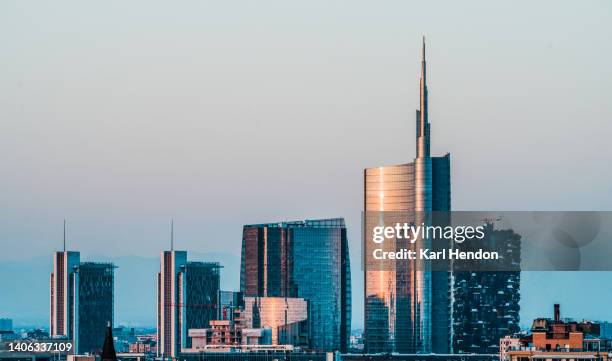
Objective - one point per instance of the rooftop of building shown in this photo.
(311, 223)
(241, 348)
(97, 265)
(391, 166)
(204, 264)
(557, 355)
(558, 327)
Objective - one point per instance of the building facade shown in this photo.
(62, 294)
(257, 353)
(304, 259)
(221, 333)
(94, 305)
(407, 308)
(81, 301)
(227, 304)
(486, 304)
(170, 317)
(186, 299)
(202, 283)
(605, 329)
(557, 339)
(287, 318)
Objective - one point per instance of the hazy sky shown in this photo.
(119, 115)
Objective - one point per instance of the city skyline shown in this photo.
(539, 285)
(169, 174)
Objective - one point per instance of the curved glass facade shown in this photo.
(406, 311)
(387, 315)
(306, 259)
(322, 276)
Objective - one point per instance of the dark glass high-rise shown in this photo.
(306, 259)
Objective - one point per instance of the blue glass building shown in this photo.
(306, 259)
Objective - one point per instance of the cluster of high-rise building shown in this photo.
(295, 283)
(295, 290)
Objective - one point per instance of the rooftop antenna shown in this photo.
(172, 234)
(64, 234)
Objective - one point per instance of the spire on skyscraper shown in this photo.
(172, 234)
(418, 318)
(422, 113)
(64, 234)
(423, 55)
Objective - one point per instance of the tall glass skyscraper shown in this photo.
(202, 284)
(306, 259)
(408, 310)
(81, 296)
(94, 304)
(186, 298)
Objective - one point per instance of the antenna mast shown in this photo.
(172, 234)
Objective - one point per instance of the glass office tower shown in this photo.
(186, 298)
(202, 281)
(81, 300)
(94, 304)
(306, 259)
(322, 276)
(406, 310)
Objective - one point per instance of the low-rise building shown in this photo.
(556, 339)
(227, 334)
(529, 355)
